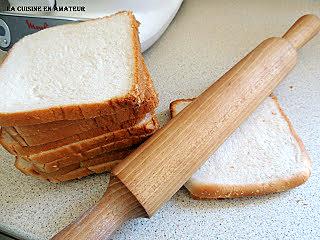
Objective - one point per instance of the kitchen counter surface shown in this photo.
(204, 41)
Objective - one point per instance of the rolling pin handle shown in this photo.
(117, 206)
(303, 30)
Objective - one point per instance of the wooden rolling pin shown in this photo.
(158, 168)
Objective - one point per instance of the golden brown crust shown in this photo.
(74, 171)
(212, 191)
(9, 143)
(72, 132)
(294, 133)
(103, 167)
(79, 169)
(217, 191)
(98, 157)
(56, 166)
(76, 174)
(129, 101)
(51, 166)
(5, 141)
(88, 144)
(83, 172)
(77, 148)
(25, 167)
(98, 127)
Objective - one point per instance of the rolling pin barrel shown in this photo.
(160, 166)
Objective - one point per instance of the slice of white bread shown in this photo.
(95, 160)
(264, 155)
(98, 164)
(117, 154)
(85, 156)
(83, 172)
(89, 128)
(72, 71)
(89, 144)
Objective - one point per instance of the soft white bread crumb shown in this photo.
(79, 63)
(263, 155)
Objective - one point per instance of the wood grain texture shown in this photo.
(116, 206)
(165, 162)
(304, 29)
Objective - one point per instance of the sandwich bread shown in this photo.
(72, 71)
(264, 155)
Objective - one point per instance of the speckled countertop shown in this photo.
(205, 40)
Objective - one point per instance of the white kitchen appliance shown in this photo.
(154, 16)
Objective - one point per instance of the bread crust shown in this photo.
(74, 171)
(130, 101)
(10, 144)
(75, 148)
(95, 127)
(212, 191)
(86, 156)
(25, 167)
(55, 135)
(55, 166)
(220, 191)
(83, 172)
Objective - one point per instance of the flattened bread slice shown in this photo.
(264, 155)
(72, 71)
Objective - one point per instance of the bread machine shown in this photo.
(23, 17)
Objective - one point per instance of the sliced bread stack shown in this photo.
(264, 155)
(76, 99)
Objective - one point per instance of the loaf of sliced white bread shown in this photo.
(264, 155)
(84, 114)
